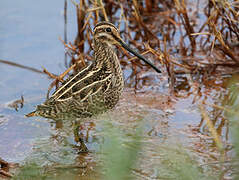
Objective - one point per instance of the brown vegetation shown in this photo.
(178, 36)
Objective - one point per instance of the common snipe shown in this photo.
(97, 87)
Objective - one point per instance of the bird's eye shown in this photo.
(108, 29)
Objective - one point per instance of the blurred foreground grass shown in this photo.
(232, 113)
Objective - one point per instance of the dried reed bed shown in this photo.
(181, 37)
(199, 39)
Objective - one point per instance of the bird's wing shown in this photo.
(86, 83)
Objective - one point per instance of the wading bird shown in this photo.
(97, 87)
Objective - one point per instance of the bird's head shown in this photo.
(106, 32)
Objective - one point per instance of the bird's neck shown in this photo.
(106, 58)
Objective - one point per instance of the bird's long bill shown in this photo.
(124, 45)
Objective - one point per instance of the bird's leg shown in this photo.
(78, 138)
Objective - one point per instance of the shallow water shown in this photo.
(29, 35)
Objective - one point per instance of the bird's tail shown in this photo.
(31, 114)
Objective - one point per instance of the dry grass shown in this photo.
(180, 37)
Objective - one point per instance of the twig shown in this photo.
(211, 128)
(21, 66)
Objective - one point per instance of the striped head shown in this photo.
(106, 32)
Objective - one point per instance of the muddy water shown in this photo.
(29, 35)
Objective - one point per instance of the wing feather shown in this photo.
(81, 88)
